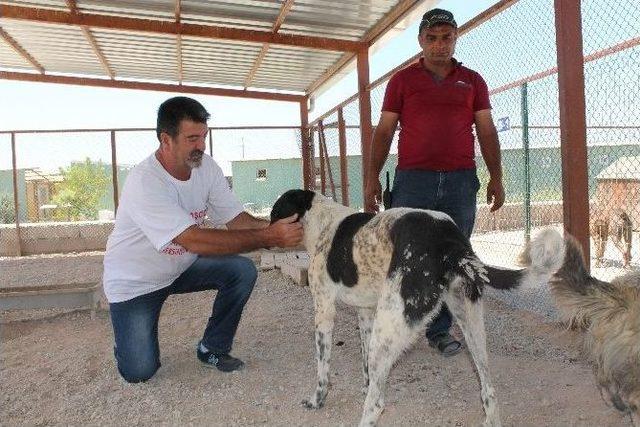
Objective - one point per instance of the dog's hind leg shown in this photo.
(470, 318)
(325, 311)
(365, 321)
(389, 337)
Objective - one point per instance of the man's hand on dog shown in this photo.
(372, 195)
(284, 233)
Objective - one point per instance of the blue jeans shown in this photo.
(135, 322)
(453, 193)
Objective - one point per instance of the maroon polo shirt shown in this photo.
(436, 117)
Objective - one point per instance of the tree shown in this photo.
(78, 195)
(7, 213)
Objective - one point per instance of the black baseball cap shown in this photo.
(435, 17)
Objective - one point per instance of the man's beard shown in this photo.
(195, 159)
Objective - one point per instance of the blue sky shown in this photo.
(53, 106)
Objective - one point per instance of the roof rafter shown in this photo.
(162, 87)
(178, 14)
(284, 10)
(73, 7)
(20, 50)
(168, 27)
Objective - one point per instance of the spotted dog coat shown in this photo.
(397, 268)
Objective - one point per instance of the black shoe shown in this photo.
(446, 344)
(223, 362)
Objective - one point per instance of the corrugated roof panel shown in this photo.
(46, 4)
(215, 58)
(335, 19)
(245, 14)
(57, 48)
(152, 55)
(206, 61)
(293, 64)
(9, 58)
(146, 9)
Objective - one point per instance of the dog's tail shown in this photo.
(579, 296)
(543, 256)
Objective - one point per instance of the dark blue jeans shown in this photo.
(135, 322)
(453, 193)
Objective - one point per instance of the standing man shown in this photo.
(437, 101)
(159, 246)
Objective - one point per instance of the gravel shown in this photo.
(57, 368)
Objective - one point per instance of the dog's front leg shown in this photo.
(365, 320)
(325, 314)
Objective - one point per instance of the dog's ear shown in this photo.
(291, 202)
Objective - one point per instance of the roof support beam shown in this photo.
(73, 7)
(573, 122)
(364, 99)
(20, 50)
(179, 41)
(284, 10)
(161, 87)
(167, 27)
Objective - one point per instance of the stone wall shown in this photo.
(68, 237)
(55, 237)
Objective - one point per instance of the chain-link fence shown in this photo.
(515, 51)
(68, 182)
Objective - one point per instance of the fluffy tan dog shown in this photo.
(608, 314)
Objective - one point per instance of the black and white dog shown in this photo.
(398, 267)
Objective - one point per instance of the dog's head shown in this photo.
(291, 202)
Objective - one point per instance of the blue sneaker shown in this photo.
(223, 362)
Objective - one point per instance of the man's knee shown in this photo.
(138, 372)
(247, 273)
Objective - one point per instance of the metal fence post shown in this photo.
(114, 171)
(211, 142)
(16, 206)
(344, 176)
(524, 113)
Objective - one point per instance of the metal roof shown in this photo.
(292, 46)
(625, 168)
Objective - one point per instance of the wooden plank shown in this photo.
(167, 27)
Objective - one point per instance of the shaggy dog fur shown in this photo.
(608, 314)
(397, 268)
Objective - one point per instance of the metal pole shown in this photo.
(366, 127)
(114, 171)
(573, 132)
(524, 113)
(305, 143)
(16, 206)
(344, 176)
(211, 142)
(323, 183)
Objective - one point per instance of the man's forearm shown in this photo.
(207, 241)
(379, 153)
(490, 149)
(245, 221)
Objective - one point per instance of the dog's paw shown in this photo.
(310, 404)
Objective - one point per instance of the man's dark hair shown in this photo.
(174, 110)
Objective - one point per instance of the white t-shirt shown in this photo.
(154, 208)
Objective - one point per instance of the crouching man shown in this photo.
(159, 246)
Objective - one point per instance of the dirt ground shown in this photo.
(57, 368)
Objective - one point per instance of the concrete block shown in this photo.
(267, 260)
(296, 272)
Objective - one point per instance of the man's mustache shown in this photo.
(196, 153)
